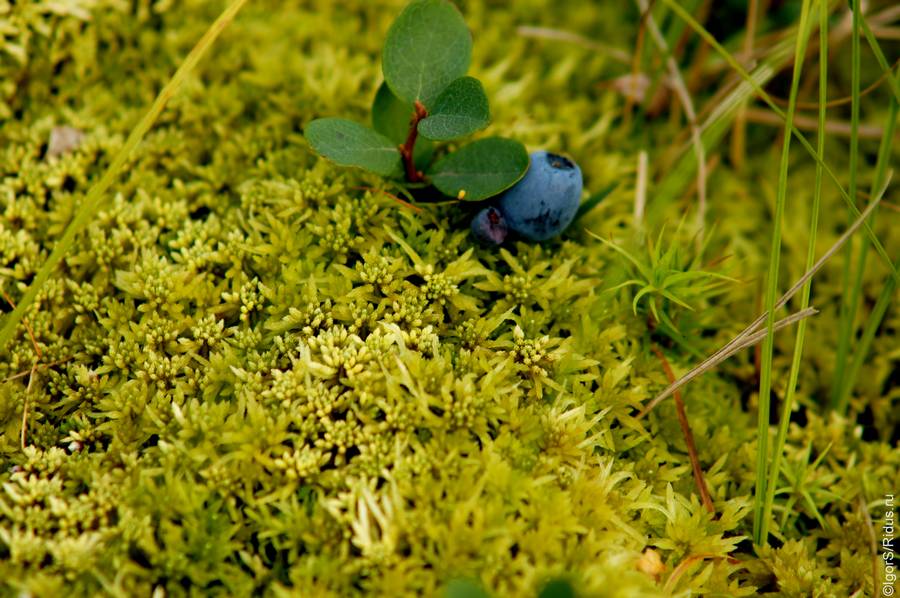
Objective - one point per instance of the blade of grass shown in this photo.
(787, 408)
(735, 343)
(893, 81)
(711, 40)
(865, 342)
(843, 384)
(765, 385)
(847, 380)
(849, 307)
(96, 193)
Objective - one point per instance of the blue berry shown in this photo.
(489, 226)
(544, 202)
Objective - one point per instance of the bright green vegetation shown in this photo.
(260, 372)
(427, 51)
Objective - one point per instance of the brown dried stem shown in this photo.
(705, 498)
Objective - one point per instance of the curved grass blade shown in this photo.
(95, 194)
(878, 311)
(849, 300)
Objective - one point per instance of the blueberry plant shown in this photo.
(426, 99)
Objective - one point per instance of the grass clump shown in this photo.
(253, 371)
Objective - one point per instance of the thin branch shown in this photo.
(705, 498)
(574, 38)
(34, 367)
(631, 94)
(873, 541)
(892, 33)
(844, 100)
(640, 189)
(753, 339)
(808, 123)
(23, 434)
(40, 365)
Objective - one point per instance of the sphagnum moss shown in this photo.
(256, 377)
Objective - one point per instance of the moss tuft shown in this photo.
(259, 373)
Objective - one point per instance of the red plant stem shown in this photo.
(406, 150)
(705, 498)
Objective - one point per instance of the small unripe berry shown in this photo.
(489, 226)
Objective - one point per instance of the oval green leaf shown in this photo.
(480, 169)
(460, 110)
(349, 143)
(427, 48)
(391, 117)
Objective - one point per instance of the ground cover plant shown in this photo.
(230, 365)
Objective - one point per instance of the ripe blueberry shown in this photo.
(489, 226)
(544, 202)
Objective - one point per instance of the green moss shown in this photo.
(257, 375)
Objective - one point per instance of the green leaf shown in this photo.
(460, 110)
(349, 143)
(481, 169)
(391, 117)
(427, 48)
